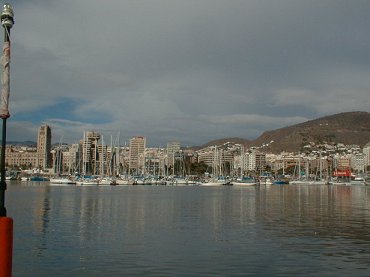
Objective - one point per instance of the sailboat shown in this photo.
(242, 180)
(321, 180)
(216, 179)
(298, 180)
(59, 179)
(245, 181)
(62, 181)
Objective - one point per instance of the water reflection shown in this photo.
(42, 219)
(145, 230)
(329, 221)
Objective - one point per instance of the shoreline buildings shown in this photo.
(92, 156)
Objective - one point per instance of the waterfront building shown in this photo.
(71, 159)
(366, 151)
(102, 157)
(214, 156)
(342, 162)
(283, 161)
(123, 160)
(249, 161)
(90, 153)
(21, 157)
(137, 155)
(358, 163)
(259, 161)
(172, 148)
(154, 161)
(44, 158)
(219, 158)
(206, 155)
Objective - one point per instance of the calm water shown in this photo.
(189, 231)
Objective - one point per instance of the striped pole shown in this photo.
(6, 223)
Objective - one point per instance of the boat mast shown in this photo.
(84, 149)
(299, 165)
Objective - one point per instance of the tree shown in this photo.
(198, 168)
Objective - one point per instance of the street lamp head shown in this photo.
(7, 16)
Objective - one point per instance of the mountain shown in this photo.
(347, 128)
(222, 141)
(21, 143)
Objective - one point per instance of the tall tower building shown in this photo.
(44, 147)
(90, 153)
(136, 156)
(172, 148)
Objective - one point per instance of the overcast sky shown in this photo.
(184, 70)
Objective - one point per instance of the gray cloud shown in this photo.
(189, 70)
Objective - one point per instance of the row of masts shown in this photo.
(100, 159)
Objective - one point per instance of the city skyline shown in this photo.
(184, 71)
(89, 156)
(344, 128)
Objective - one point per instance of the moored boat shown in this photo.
(265, 181)
(281, 182)
(358, 180)
(245, 181)
(87, 181)
(298, 182)
(39, 179)
(62, 181)
(211, 183)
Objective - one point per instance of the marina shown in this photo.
(362, 179)
(225, 140)
(274, 230)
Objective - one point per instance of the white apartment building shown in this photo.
(358, 163)
(366, 151)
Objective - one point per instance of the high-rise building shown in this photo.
(44, 147)
(136, 156)
(366, 151)
(172, 148)
(71, 159)
(90, 153)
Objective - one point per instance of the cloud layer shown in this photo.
(191, 71)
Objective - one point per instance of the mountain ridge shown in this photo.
(346, 127)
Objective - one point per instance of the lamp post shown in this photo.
(6, 223)
(7, 21)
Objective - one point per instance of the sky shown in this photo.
(190, 71)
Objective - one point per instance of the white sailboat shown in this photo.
(298, 180)
(216, 171)
(245, 181)
(62, 181)
(59, 178)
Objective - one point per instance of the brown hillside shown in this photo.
(347, 128)
(222, 141)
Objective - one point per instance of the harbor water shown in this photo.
(287, 230)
